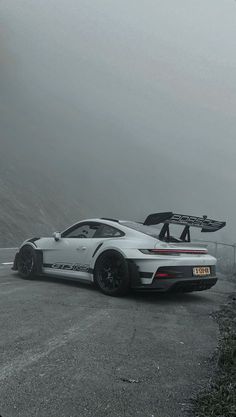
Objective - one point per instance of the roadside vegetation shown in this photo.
(220, 399)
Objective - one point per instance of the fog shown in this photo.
(119, 109)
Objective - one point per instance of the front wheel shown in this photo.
(111, 274)
(26, 262)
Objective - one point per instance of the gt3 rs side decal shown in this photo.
(69, 267)
(84, 268)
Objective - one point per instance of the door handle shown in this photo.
(81, 248)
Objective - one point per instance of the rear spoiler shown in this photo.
(207, 225)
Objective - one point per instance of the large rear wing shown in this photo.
(207, 225)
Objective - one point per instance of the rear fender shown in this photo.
(103, 250)
(135, 279)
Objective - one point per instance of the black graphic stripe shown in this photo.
(97, 248)
(146, 274)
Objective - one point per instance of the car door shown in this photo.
(68, 256)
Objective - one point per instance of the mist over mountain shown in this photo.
(115, 109)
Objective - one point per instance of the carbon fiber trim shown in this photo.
(184, 271)
(181, 286)
(194, 285)
(145, 274)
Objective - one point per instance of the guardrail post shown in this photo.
(215, 249)
(234, 246)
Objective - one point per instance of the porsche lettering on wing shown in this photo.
(195, 221)
(70, 267)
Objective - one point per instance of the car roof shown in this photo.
(111, 222)
(119, 224)
(104, 220)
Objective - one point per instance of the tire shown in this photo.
(26, 262)
(111, 274)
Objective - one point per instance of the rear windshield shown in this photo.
(147, 230)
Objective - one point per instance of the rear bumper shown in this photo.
(178, 285)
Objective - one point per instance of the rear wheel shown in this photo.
(26, 262)
(111, 274)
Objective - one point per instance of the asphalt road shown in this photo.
(70, 351)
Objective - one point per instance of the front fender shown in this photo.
(38, 253)
(31, 242)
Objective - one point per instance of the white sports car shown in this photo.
(117, 255)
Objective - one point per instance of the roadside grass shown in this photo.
(220, 399)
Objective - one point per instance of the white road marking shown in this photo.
(30, 357)
(7, 263)
(8, 249)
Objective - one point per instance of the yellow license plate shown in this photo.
(201, 271)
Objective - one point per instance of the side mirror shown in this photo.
(57, 236)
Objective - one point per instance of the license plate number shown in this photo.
(201, 271)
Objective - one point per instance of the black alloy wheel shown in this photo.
(26, 262)
(111, 274)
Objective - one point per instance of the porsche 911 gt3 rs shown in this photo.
(117, 255)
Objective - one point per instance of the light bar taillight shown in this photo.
(178, 251)
(164, 275)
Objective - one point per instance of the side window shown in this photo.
(109, 231)
(85, 230)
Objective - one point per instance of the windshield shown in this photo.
(147, 230)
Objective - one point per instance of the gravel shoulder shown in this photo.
(220, 397)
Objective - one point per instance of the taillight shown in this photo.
(168, 272)
(175, 251)
(163, 275)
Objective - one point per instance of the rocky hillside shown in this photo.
(32, 203)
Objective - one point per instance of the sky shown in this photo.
(128, 106)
